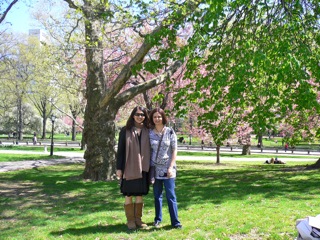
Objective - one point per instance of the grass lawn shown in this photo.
(56, 136)
(4, 157)
(11, 157)
(239, 155)
(233, 200)
(41, 148)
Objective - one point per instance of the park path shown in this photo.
(70, 158)
(77, 158)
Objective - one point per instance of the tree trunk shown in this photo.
(83, 143)
(218, 154)
(43, 110)
(74, 124)
(99, 126)
(317, 164)
(246, 150)
(73, 130)
(19, 120)
(260, 140)
(44, 126)
(99, 133)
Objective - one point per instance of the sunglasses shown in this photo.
(139, 115)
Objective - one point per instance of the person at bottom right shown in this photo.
(163, 141)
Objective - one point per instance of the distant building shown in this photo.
(40, 34)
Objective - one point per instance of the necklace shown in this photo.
(159, 132)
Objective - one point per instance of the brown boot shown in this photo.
(129, 209)
(138, 214)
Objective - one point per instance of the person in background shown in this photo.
(133, 163)
(274, 161)
(271, 161)
(286, 146)
(34, 139)
(277, 161)
(163, 142)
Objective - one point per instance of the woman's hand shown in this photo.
(119, 174)
(169, 172)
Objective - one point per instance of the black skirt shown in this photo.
(136, 187)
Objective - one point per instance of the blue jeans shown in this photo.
(169, 185)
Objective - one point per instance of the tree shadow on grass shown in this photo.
(112, 228)
(54, 191)
(90, 230)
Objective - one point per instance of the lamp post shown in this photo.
(190, 135)
(53, 118)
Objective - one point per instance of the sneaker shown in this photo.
(178, 226)
(156, 224)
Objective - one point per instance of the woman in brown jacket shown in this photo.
(133, 161)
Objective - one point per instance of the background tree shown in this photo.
(43, 91)
(263, 53)
(19, 76)
(7, 42)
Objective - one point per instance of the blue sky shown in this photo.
(19, 17)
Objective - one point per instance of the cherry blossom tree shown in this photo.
(104, 95)
(258, 58)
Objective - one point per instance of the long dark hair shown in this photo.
(130, 121)
(163, 115)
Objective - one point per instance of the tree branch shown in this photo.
(71, 4)
(140, 88)
(68, 115)
(126, 73)
(7, 10)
